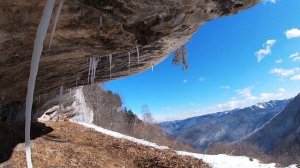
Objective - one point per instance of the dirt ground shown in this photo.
(65, 144)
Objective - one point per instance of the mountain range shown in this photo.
(229, 126)
(281, 135)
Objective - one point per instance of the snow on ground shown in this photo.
(118, 135)
(216, 161)
(225, 161)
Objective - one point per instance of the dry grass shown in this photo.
(71, 145)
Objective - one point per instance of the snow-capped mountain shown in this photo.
(281, 135)
(228, 126)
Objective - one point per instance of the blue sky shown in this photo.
(234, 62)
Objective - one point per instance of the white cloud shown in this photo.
(225, 87)
(295, 56)
(246, 93)
(285, 72)
(278, 61)
(266, 50)
(271, 96)
(292, 33)
(293, 74)
(243, 98)
(184, 81)
(281, 90)
(200, 79)
(270, 1)
(295, 77)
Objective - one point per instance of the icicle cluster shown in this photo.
(93, 63)
(56, 21)
(36, 55)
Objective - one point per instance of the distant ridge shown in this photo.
(227, 126)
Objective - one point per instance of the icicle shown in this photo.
(100, 21)
(60, 97)
(110, 59)
(138, 54)
(77, 81)
(152, 67)
(55, 21)
(129, 62)
(90, 68)
(94, 68)
(36, 55)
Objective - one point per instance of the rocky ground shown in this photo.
(65, 144)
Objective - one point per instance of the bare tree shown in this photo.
(147, 116)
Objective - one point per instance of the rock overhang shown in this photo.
(97, 28)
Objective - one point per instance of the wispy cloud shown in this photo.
(270, 1)
(295, 56)
(295, 77)
(244, 97)
(293, 74)
(284, 72)
(292, 33)
(184, 81)
(225, 87)
(200, 79)
(246, 93)
(266, 50)
(278, 61)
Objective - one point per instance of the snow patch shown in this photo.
(122, 136)
(225, 161)
(215, 161)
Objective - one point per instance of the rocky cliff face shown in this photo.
(97, 28)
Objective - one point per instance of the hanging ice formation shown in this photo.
(100, 21)
(93, 63)
(94, 68)
(90, 68)
(56, 21)
(152, 67)
(77, 81)
(36, 55)
(129, 61)
(110, 59)
(138, 54)
(61, 89)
